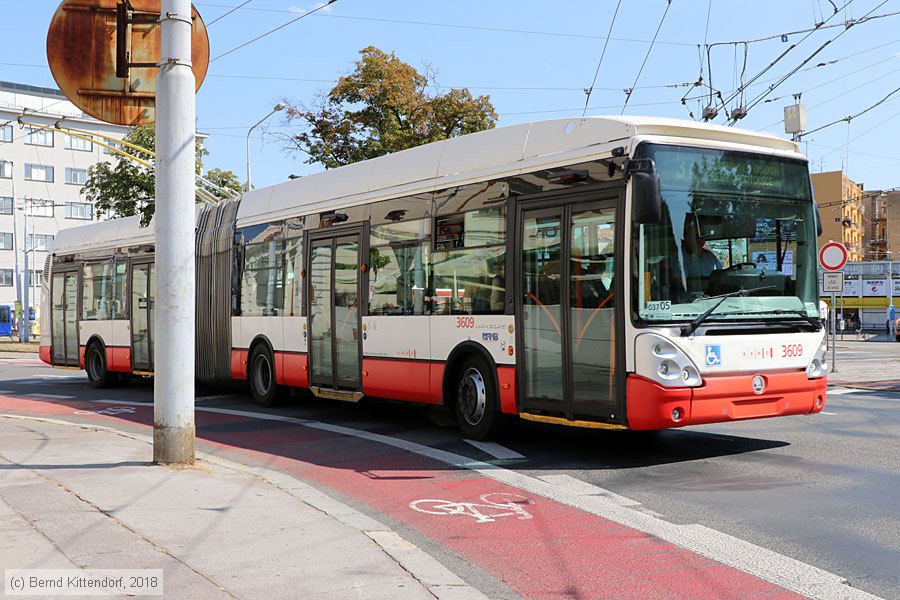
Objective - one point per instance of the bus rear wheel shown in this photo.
(95, 365)
(262, 377)
(477, 405)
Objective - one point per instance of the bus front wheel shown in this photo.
(477, 405)
(95, 365)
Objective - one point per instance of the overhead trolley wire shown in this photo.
(589, 90)
(784, 78)
(629, 91)
(282, 26)
(219, 18)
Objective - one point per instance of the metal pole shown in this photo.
(173, 393)
(25, 282)
(15, 209)
(833, 333)
(278, 107)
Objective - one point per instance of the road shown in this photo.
(823, 490)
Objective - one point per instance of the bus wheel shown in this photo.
(95, 365)
(477, 406)
(262, 377)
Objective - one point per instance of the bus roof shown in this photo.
(477, 156)
(483, 155)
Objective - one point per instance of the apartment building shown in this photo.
(42, 172)
(842, 208)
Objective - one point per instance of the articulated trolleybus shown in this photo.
(601, 272)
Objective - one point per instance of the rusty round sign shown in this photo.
(103, 55)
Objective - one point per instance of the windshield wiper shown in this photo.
(691, 327)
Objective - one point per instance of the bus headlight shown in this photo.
(818, 366)
(662, 361)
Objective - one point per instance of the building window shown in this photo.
(76, 176)
(76, 143)
(6, 205)
(6, 241)
(40, 208)
(36, 241)
(6, 277)
(39, 173)
(109, 150)
(38, 137)
(6, 133)
(35, 279)
(5, 169)
(79, 210)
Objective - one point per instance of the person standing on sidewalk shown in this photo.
(897, 329)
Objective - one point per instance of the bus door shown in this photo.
(565, 311)
(335, 294)
(64, 296)
(143, 304)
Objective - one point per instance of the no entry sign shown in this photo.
(833, 256)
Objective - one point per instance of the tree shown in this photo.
(126, 188)
(381, 107)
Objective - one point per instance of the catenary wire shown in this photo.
(630, 90)
(220, 17)
(600, 62)
(282, 26)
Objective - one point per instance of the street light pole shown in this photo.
(25, 283)
(277, 107)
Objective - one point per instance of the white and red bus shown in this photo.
(613, 273)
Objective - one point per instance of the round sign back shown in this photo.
(89, 39)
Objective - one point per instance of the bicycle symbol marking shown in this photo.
(491, 507)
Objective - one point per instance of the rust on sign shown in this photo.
(81, 51)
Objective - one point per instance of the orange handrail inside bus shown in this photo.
(591, 318)
(549, 314)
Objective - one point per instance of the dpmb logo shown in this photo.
(713, 355)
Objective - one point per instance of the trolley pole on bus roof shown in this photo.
(173, 392)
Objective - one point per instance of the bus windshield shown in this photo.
(731, 222)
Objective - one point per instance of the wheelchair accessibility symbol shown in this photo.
(713, 355)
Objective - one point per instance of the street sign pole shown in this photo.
(833, 333)
(173, 391)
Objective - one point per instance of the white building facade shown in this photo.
(42, 172)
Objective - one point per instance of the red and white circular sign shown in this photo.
(833, 256)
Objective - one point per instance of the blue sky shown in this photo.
(534, 60)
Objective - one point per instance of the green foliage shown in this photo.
(224, 179)
(126, 188)
(381, 107)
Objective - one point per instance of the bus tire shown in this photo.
(477, 403)
(95, 364)
(262, 377)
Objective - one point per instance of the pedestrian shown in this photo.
(887, 327)
(897, 330)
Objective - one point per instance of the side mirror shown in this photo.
(818, 219)
(645, 197)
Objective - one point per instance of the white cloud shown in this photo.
(302, 10)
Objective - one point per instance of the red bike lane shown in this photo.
(537, 547)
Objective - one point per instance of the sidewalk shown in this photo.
(218, 530)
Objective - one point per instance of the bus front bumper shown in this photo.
(721, 399)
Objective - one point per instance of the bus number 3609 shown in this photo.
(791, 350)
(465, 322)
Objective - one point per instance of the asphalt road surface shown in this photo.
(821, 489)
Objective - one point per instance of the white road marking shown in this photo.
(840, 391)
(830, 414)
(216, 397)
(496, 450)
(51, 396)
(787, 572)
(6, 391)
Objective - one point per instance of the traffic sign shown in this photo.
(833, 282)
(833, 256)
(104, 54)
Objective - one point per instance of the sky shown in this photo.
(535, 60)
